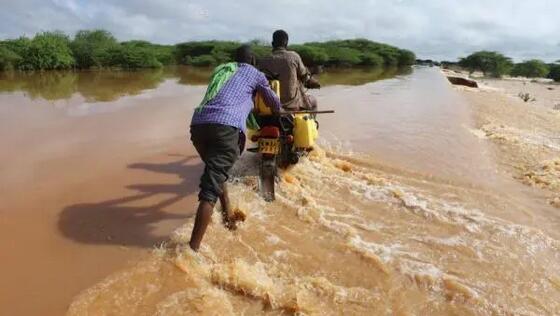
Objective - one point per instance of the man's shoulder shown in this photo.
(293, 56)
(251, 71)
(247, 68)
(286, 53)
(292, 53)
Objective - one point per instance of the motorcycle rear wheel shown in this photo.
(267, 176)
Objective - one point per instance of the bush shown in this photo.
(260, 50)
(47, 50)
(390, 56)
(89, 47)
(311, 55)
(343, 56)
(130, 57)
(531, 69)
(99, 48)
(525, 97)
(139, 57)
(224, 52)
(220, 51)
(17, 47)
(8, 59)
(490, 63)
(406, 58)
(372, 59)
(335, 53)
(363, 51)
(554, 73)
(204, 60)
(164, 54)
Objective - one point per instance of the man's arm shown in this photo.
(302, 71)
(270, 98)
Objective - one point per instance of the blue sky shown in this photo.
(439, 29)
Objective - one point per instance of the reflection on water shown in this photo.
(50, 86)
(359, 76)
(192, 75)
(93, 86)
(110, 85)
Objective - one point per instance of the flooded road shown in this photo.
(415, 121)
(401, 211)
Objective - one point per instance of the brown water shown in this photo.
(401, 211)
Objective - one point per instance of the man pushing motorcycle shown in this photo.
(218, 132)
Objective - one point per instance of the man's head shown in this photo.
(244, 54)
(279, 39)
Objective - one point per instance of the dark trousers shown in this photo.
(219, 148)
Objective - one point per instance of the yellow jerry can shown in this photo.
(260, 106)
(305, 131)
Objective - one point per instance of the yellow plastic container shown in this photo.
(305, 128)
(260, 106)
(305, 131)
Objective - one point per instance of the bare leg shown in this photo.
(227, 212)
(224, 200)
(203, 216)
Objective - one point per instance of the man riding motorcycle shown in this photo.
(294, 77)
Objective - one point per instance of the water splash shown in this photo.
(346, 237)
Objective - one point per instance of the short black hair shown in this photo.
(244, 54)
(279, 38)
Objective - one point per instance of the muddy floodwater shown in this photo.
(401, 210)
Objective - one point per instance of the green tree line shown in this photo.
(357, 52)
(494, 64)
(100, 49)
(88, 49)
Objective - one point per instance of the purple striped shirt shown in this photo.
(233, 103)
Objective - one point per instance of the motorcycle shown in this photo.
(281, 139)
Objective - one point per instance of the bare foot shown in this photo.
(238, 215)
(230, 218)
(231, 225)
(226, 220)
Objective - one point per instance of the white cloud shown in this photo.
(440, 29)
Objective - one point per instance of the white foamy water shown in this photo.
(327, 247)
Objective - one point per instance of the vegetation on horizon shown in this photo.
(555, 71)
(491, 64)
(494, 64)
(100, 49)
(341, 53)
